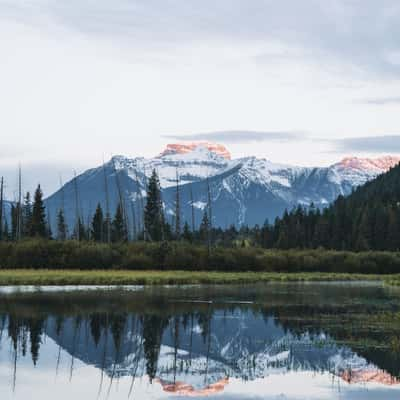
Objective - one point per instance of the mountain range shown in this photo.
(244, 191)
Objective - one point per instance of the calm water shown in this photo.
(276, 341)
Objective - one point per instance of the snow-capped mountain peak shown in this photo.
(243, 191)
(196, 147)
(382, 164)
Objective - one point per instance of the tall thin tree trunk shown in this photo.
(77, 213)
(210, 226)
(19, 205)
(107, 198)
(177, 209)
(192, 209)
(62, 207)
(141, 203)
(134, 230)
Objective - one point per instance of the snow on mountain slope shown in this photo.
(357, 171)
(244, 191)
(191, 165)
(184, 148)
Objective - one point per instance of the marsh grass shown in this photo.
(42, 277)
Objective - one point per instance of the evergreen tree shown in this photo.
(14, 222)
(6, 231)
(97, 228)
(39, 227)
(118, 227)
(80, 232)
(27, 216)
(153, 213)
(204, 227)
(61, 226)
(187, 234)
(393, 234)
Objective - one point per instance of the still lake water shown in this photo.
(271, 341)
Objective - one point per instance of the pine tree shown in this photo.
(204, 229)
(39, 227)
(153, 213)
(187, 234)
(118, 227)
(27, 215)
(61, 226)
(393, 236)
(6, 231)
(80, 232)
(97, 227)
(14, 222)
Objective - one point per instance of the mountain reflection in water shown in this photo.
(202, 341)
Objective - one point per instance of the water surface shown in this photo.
(270, 341)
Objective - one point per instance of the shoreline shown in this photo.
(41, 277)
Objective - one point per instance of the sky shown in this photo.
(303, 82)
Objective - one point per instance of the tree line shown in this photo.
(29, 219)
(368, 219)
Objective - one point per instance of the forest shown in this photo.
(359, 233)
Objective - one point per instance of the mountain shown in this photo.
(244, 191)
(367, 219)
(240, 345)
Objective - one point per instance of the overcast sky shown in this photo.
(296, 81)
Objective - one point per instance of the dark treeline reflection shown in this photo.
(174, 335)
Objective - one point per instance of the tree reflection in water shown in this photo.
(193, 347)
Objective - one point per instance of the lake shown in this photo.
(270, 341)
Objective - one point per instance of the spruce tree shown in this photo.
(204, 227)
(97, 227)
(14, 222)
(187, 234)
(118, 227)
(80, 232)
(27, 215)
(153, 213)
(39, 227)
(61, 226)
(6, 232)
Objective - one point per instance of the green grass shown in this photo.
(96, 277)
(393, 280)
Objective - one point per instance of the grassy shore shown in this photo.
(393, 280)
(97, 277)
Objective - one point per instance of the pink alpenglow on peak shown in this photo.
(382, 164)
(184, 148)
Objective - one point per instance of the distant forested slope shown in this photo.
(368, 219)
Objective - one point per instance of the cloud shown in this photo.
(381, 101)
(238, 136)
(360, 33)
(372, 144)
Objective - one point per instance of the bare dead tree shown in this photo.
(107, 199)
(192, 209)
(19, 205)
(134, 229)
(141, 203)
(62, 205)
(77, 213)
(209, 206)
(177, 208)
